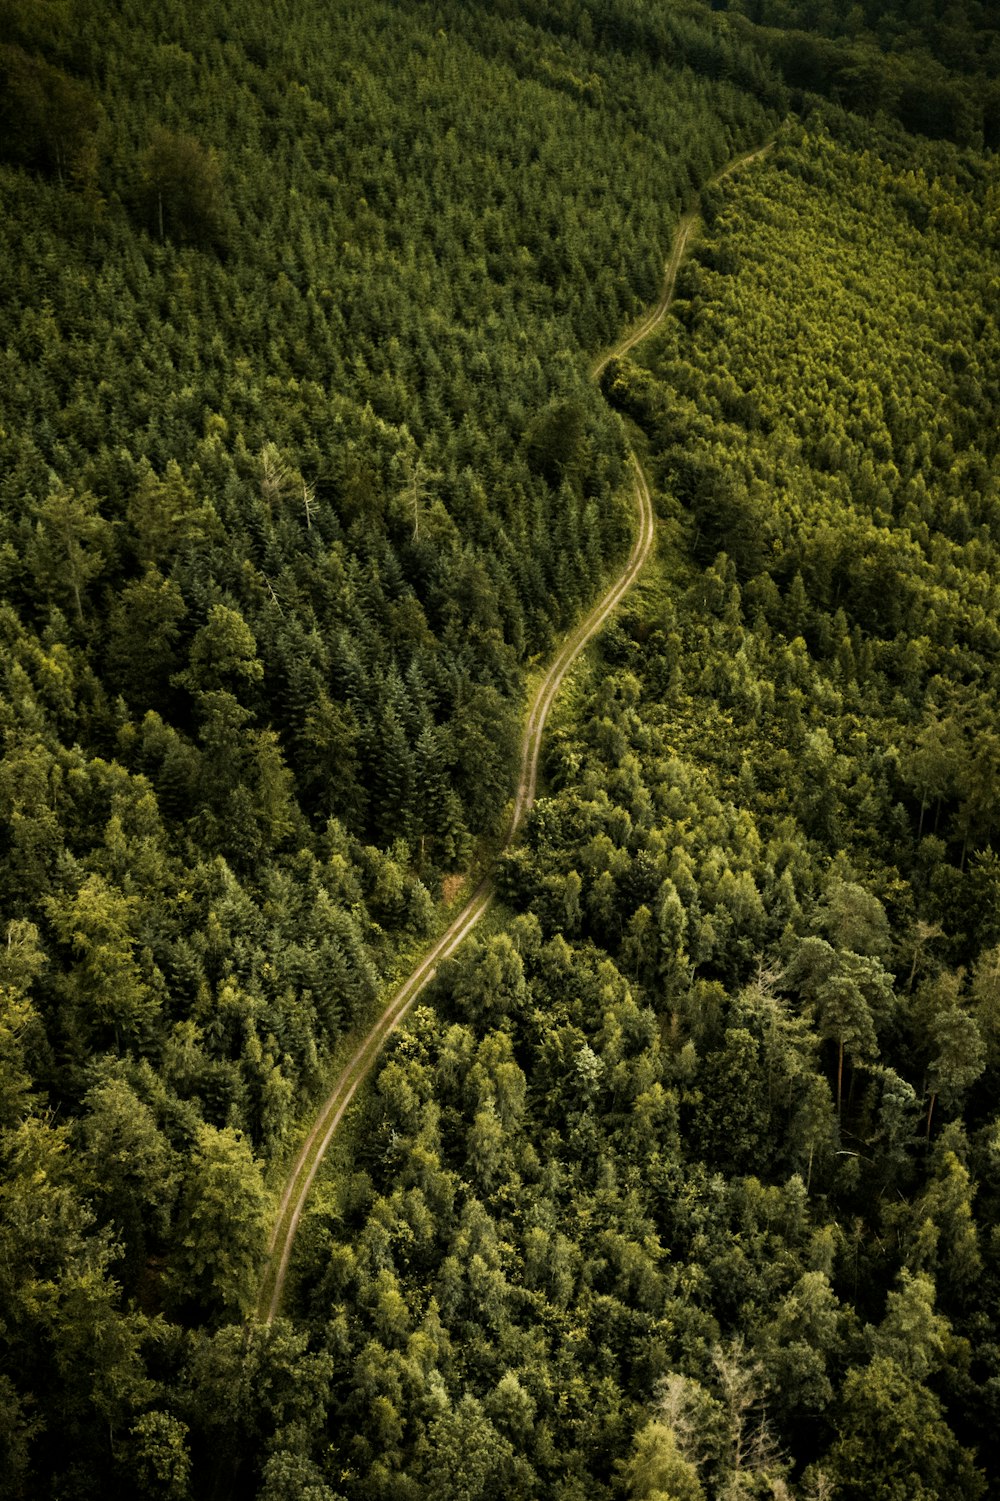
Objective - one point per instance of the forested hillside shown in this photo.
(933, 66)
(300, 467)
(685, 1181)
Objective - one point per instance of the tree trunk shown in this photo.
(840, 1076)
(930, 1112)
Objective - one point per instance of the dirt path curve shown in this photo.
(306, 1165)
(685, 229)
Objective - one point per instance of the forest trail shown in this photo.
(307, 1161)
(685, 229)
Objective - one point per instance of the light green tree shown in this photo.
(219, 1239)
(69, 546)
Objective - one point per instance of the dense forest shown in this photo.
(683, 1180)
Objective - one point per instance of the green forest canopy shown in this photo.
(686, 1183)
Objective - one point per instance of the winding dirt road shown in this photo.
(310, 1155)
